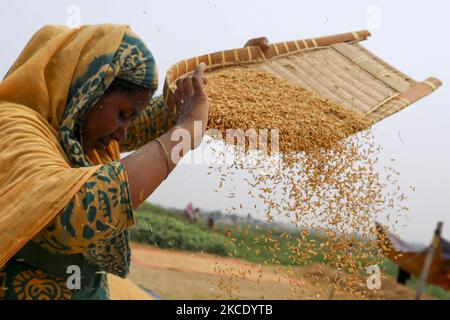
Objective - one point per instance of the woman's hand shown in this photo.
(262, 43)
(192, 103)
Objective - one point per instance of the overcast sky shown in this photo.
(411, 35)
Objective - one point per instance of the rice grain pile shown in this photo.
(250, 99)
(329, 183)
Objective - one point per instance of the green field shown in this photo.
(166, 228)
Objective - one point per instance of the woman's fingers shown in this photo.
(188, 89)
(197, 84)
(261, 42)
(179, 93)
(190, 85)
(199, 70)
(177, 96)
(178, 101)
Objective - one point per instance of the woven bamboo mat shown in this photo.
(336, 67)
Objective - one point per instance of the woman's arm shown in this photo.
(148, 166)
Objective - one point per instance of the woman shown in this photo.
(73, 100)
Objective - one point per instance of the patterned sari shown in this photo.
(73, 209)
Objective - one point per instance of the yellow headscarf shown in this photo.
(59, 74)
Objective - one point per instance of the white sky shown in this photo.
(411, 35)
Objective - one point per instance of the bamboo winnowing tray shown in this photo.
(336, 67)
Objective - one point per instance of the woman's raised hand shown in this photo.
(192, 103)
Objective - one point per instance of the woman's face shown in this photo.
(109, 117)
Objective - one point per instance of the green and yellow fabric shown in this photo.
(60, 207)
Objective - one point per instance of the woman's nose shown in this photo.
(121, 132)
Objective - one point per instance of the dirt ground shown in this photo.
(174, 274)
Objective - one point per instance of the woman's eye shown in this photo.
(122, 115)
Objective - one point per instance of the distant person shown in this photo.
(211, 223)
(189, 211)
(403, 276)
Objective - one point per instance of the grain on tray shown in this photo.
(246, 98)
